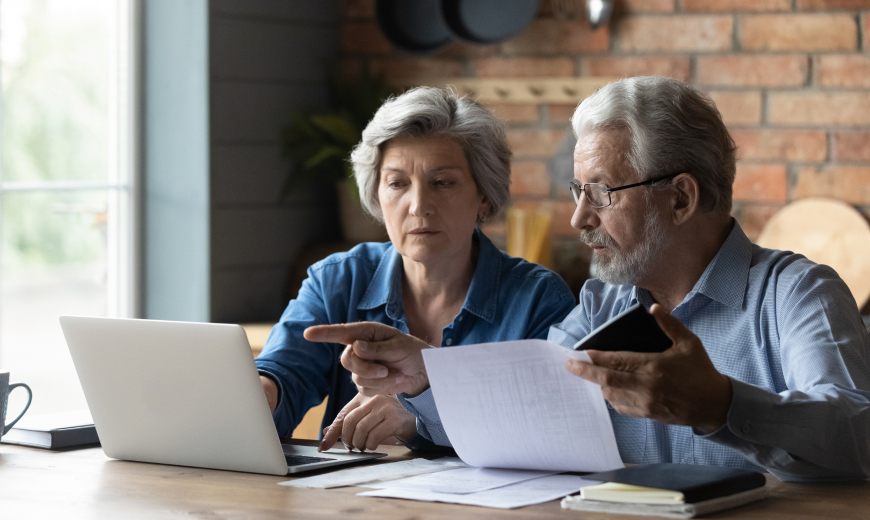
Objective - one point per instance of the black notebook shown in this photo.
(697, 483)
(54, 431)
(634, 329)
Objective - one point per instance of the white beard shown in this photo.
(628, 268)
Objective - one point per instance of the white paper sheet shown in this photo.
(376, 473)
(526, 493)
(514, 405)
(462, 480)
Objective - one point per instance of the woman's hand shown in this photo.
(271, 389)
(383, 359)
(366, 422)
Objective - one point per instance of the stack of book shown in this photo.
(669, 490)
(54, 431)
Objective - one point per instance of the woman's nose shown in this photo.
(421, 201)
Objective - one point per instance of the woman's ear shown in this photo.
(686, 197)
(483, 210)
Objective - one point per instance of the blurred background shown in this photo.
(147, 169)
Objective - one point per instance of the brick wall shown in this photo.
(791, 78)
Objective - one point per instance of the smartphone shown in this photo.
(634, 330)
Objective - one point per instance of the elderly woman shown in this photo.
(431, 166)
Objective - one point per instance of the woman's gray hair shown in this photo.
(673, 128)
(428, 111)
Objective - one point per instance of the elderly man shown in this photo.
(768, 369)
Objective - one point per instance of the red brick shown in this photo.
(463, 50)
(852, 146)
(677, 67)
(523, 67)
(363, 38)
(832, 5)
(416, 68)
(515, 112)
(530, 178)
(539, 143)
(848, 183)
(675, 33)
(358, 8)
(843, 70)
(642, 6)
(561, 113)
(812, 108)
(736, 5)
(789, 145)
(806, 32)
(753, 71)
(550, 36)
(866, 25)
(753, 217)
(738, 108)
(760, 182)
(562, 211)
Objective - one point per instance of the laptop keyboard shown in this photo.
(298, 460)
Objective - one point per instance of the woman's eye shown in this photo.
(443, 183)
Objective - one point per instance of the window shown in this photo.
(67, 182)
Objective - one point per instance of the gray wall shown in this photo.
(266, 63)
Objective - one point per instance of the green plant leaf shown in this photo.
(323, 154)
(339, 128)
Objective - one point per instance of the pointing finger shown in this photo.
(347, 333)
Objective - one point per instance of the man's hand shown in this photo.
(679, 386)
(383, 359)
(367, 422)
(271, 389)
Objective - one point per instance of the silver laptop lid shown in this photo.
(175, 393)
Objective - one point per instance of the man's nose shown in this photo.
(585, 216)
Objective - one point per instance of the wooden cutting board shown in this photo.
(827, 232)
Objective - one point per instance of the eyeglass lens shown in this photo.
(596, 194)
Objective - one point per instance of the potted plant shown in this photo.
(319, 145)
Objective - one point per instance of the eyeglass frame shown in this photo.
(608, 190)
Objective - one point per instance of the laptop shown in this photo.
(186, 394)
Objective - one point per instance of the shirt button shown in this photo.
(448, 342)
(683, 461)
(746, 428)
(460, 318)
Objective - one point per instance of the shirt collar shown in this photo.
(386, 285)
(726, 277)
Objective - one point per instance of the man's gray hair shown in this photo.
(428, 111)
(673, 128)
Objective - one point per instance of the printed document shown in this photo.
(463, 480)
(514, 404)
(535, 491)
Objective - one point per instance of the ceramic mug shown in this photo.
(5, 388)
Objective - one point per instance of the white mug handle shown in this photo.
(26, 406)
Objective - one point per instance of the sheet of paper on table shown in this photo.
(462, 480)
(514, 405)
(376, 473)
(525, 493)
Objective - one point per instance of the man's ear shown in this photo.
(686, 197)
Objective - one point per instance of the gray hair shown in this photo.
(672, 127)
(428, 111)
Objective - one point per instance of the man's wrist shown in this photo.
(719, 411)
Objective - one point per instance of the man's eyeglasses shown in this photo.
(598, 194)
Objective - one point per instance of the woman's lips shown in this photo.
(423, 232)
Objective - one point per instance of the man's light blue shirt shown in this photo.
(508, 299)
(789, 335)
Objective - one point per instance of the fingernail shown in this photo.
(400, 378)
(362, 345)
(382, 372)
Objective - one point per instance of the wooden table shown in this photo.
(39, 484)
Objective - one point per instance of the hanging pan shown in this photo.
(486, 22)
(414, 26)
